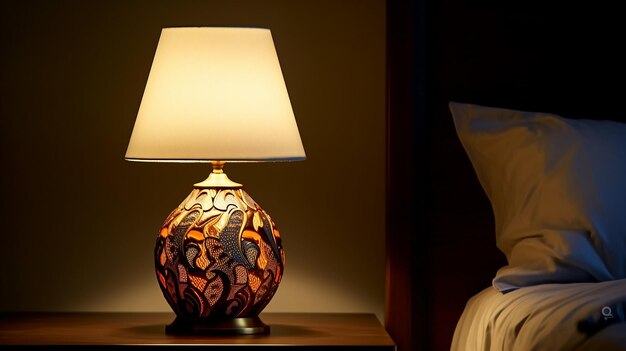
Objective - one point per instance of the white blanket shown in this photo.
(576, 316)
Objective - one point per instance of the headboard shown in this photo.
(529, 56)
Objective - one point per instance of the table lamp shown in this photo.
(216, 95)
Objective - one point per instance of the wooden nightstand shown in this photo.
(299, 331)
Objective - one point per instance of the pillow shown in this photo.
(557, 187)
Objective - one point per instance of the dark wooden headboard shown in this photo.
(523, 55)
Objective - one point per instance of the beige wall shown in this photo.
(79, 222)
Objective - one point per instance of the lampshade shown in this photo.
(215, 94)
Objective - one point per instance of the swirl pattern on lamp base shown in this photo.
(218, 256)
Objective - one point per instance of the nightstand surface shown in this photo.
(294, 330)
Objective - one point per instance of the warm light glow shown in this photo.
(215, 94)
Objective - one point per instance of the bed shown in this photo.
(557, 189)
(577, 316)
(561, 58)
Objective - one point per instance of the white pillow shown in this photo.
(557, 187)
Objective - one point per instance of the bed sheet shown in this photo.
(575, 316)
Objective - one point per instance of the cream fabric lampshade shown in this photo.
(215, 94)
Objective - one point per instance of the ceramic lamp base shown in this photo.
(218, 259)
(228, 326)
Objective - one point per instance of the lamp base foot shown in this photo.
(227, 326)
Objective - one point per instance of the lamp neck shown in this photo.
(217, 178)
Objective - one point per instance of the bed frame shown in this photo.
(440, 239)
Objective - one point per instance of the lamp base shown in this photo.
(228, 326)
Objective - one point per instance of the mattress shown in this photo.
(575, 316)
